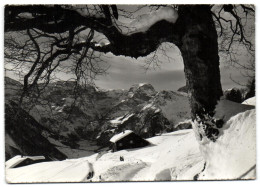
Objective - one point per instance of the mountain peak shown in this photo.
(137, 86)
(142, 90)
(142, 84)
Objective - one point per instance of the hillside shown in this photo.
(23, 135)
(172, 156)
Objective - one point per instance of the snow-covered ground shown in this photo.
(55, 171)
(177, 150)
(172, 156)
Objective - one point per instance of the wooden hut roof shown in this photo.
(121, 135)
(18, 159)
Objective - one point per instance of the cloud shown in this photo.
(168, 74)
(124, 72)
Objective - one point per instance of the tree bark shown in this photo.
(199, 48)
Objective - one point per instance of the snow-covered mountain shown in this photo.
(146, 112)
(91, 113)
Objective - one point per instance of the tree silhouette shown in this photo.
(194, 29)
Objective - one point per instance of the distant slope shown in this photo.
(13, 88)
(23, 135)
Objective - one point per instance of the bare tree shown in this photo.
(44, 54)
(191, 28)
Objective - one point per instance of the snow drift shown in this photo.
(233, 156)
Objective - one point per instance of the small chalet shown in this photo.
(19, 161)
(127, 140)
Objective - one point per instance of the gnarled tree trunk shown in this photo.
(199, 49)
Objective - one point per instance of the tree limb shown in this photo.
(57, 19)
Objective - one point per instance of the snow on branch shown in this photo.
(143, 22)
(148, 30)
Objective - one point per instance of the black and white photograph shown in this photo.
(97, 93)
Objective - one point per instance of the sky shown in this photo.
(169, 75)
(125, 71)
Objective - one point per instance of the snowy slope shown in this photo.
(154, 162)
(171, 156)
(232, 156)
